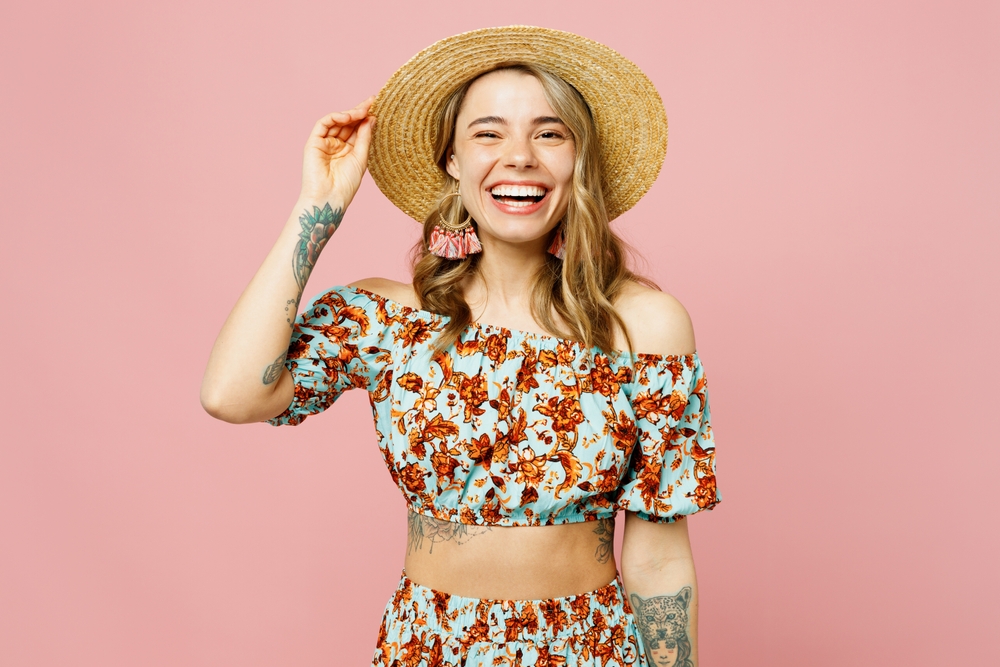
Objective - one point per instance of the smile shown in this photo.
(518, 196)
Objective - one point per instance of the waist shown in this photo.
(473, 620)
(510, 563)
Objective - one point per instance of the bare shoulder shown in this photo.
(657, 322)
(391, 289)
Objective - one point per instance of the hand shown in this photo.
(336, 155)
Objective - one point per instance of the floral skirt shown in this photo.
(427, 628)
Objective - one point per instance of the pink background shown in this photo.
(828, 213)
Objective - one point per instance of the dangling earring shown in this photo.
(454, 242)
(558, 245)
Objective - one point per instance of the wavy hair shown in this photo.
(582, 286)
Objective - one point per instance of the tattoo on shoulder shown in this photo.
(273, 372)
(663, 625)
(605, 532)
(317, 228)
(421, 527)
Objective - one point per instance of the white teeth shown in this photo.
(506, 190)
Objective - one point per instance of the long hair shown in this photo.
(582, 286)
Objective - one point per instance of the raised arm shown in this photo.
(246, 380)
(658, 571)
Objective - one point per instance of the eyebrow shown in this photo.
(499, 120)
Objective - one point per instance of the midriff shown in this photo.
(510, 562)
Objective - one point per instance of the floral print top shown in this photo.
(509, 427)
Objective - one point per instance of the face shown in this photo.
(664, 656)
(513, 159)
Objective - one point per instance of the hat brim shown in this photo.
(628, 113)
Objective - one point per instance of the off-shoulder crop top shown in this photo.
(510, 427)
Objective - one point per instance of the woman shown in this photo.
(526, 386)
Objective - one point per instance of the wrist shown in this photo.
(312, 223)
(307, 200)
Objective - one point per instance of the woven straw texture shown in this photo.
(629, 114)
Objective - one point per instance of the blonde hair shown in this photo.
(582, 286)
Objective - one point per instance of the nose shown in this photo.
(520, 154)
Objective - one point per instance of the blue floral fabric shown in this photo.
(510, 427)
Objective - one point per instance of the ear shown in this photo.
(451, 166)
(636, 602)
(684, 596)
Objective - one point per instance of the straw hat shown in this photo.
(628, 112)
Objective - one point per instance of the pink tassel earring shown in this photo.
(558, 245)
(454, 242)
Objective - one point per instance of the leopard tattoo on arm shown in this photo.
(663, 626)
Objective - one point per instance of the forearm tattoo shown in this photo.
(273, 372)
(663, 625)
(605, 532)
(421, 527)
(317, 228)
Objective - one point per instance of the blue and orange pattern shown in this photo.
(507, 427)
(423, 627)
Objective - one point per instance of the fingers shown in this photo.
(363, 138)
(333, 122)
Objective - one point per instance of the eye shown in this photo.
(550, 134)
(486, 135)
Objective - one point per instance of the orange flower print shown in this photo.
(410, 382)
(580, 607)
(502, 404)
(414, 331)
(651, 406)
(526, 380)
(473, 391)
(565, 413)
(547, 659)
(481, 451)
(412, 476)
(705, 494)
(496, 347)
(565, 354)
(607, 596)
(435, 653)
(444, 465)
(622, 430)
(555, 617)
(607, 479)
(530, 469)
(529, 496)
(491, 508)
(548, 358)
(509, 428)
(418, 445)
(439, 428)
(603, 379)
(571, 468)
(441, 600)
(300, 348)
(676, 404)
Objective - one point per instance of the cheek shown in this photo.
(562, 169)
(475, 165)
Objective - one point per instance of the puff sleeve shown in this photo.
(336, 345)
(671, 470)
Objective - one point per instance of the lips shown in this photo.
(518, 195)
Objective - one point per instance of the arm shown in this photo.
(658, 571)
(246, 380)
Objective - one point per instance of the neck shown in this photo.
(505, 276)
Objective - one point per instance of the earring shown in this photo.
(558, 245)
(454, 242)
